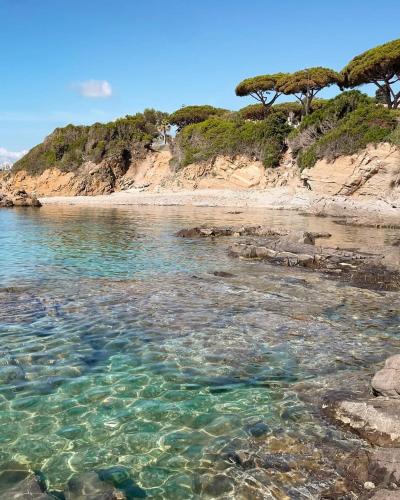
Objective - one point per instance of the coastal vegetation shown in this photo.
(69, 147)
(232, 135)
(313, 128)
(344, 125)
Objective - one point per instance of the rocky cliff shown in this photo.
(374, 173)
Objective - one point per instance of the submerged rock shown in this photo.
(88, 486)
(120, 478)
(223, 274)
(386, 495)
(18, 482)
(379, 467)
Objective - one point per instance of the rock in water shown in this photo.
(18, 482)
(88, 486)
(297, 249)
(376, 420)
(379, 466)
(120, 478)
(386, 382)
(18, 198)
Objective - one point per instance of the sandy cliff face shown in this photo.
(155, 171)
(372, 173)
(240, 172)
(375, 172)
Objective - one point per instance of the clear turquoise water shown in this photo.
(120, 347)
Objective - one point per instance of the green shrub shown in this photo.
(254, 112)
(368, 124)
(394, 137)
(69, 147)
(263, 139)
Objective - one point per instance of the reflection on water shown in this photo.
(120, 347)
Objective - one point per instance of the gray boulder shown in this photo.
(386, 382)
(376, 420)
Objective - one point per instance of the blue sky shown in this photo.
(70, 61)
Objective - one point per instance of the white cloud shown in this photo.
(94, 89)
(9, 157)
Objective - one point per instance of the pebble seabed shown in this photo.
(170, 367)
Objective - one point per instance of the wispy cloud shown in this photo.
(94, 89)
(9, 157)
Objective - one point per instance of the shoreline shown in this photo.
(374, 210)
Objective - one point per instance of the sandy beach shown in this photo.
(273, 198)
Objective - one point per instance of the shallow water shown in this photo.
(121, 347)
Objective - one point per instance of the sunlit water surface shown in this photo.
(119, 346)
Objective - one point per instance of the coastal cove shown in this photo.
(127, 347)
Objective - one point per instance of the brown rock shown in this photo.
(386, 495)
(384, 467)
(18, 198)
(379, 466)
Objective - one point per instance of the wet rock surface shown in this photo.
(376, 420)
(307, 237)
(18, 482)
(373, 472)
(89, 486)
(299, 249)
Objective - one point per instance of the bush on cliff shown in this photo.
(343, 126)
(231, 135)
(69, 147)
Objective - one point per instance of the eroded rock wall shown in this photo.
(374, 172)
(371, 174)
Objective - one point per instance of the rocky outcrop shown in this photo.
(90, 179)
(377, 420)
(350, 186)
(237, 172)
(373, 173)
(386, 382)
(356, 268)
(18, 198)
(298, 249)
(156, 171)
(307, 237)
